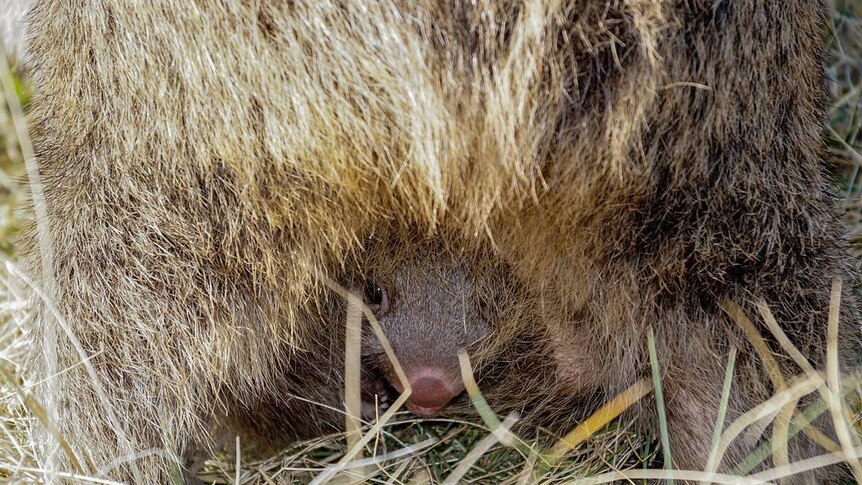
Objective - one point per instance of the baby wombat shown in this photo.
(430, 304)
(429, 311)
(434, 303)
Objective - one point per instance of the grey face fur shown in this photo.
(429, 311)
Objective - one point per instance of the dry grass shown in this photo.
(410, 450)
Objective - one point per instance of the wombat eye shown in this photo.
(377, 299)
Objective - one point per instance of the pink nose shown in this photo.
(430, 395)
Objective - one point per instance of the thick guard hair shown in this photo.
(205, 164)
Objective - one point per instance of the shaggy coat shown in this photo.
(207, 165)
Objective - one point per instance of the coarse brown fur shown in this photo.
(205, 165)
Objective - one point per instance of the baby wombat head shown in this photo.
(429, 310)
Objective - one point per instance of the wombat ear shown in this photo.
(377, 298)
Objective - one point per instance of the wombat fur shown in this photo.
(438, 300)
(206, 166)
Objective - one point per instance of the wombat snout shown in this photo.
(432, 392)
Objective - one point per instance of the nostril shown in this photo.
(422, 411)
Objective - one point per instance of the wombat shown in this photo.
(207, 166)
(435, 317)
(431, 304)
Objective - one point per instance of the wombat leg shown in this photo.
(691, 415)
(692, 393)
(692, 378)
(197, 456)
(190, 478)
(124, 437)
